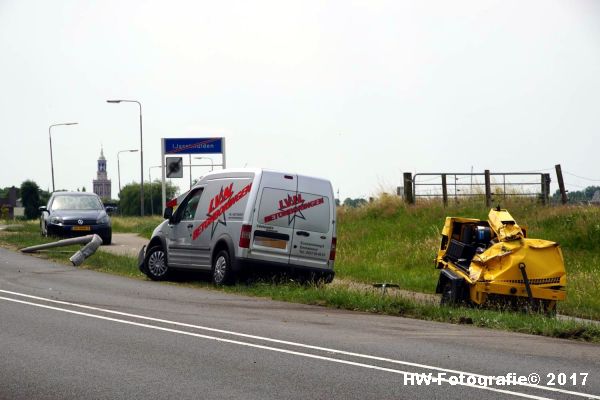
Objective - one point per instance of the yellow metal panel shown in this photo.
(504, 225)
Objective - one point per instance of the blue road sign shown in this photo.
(193, 145)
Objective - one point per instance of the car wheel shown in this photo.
(106, 240)
(318, 278)
(327, 277)
(222, 272)
(157, 268)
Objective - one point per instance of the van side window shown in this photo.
(188, 212)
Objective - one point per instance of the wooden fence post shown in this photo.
(488, 189)
(545, 189)
(561, 184)
(408, 188)
(444, 190)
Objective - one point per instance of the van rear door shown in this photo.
(271, 238)
(314, 225)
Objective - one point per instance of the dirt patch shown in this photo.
(125, 244)
(389, 291)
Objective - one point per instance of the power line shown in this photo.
(543, 170)
(582, 177)
(577, 186)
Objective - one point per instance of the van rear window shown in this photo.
(314, 216)
(290, 209)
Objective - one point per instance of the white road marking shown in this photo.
(294, 344)
(262, 347)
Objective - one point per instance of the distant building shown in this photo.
(8, 204)
(596, 198)
(102, 185)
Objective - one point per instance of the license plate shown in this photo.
(269, 242)
(82, 228)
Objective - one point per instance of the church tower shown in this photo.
(102, 185)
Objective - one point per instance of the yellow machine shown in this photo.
(493, 261)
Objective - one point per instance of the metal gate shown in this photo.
(459, 185)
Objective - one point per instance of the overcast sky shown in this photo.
(354, 91)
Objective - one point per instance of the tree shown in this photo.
(129, 198)
(30, 196)
(354, 203)
(44, 197)
(5, 191)
(579, 195)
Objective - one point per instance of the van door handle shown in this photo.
(302, 233)
(190, 226)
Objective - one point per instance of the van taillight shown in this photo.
(245, 236)
(332, 252)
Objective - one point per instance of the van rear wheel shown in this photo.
(222, 271)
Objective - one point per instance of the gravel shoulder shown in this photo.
(125, 244)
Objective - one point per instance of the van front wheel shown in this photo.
(222, 273)
(157, 268)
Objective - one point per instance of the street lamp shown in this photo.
(141, 152)
(50, 136)
(150, 179)
(119, 164)
(212, 164)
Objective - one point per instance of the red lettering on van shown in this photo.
(225, 204)
(290, 201)
(220, 198)
(297, 208)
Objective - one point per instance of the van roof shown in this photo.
(229, 171)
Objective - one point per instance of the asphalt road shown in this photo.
(67, 333)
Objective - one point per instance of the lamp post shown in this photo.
(212, 164)
(141, 152)
(150, 179)
(50, 136)
(119, 164)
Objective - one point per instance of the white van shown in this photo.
(244, 218)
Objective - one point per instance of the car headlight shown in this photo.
(103, 220)
(56, 220)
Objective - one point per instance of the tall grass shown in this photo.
(389, 241)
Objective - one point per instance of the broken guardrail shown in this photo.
(91, 242)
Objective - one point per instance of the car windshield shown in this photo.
(76, 203)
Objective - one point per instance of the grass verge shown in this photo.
(334, 296)
(143, 226)
(388, 241)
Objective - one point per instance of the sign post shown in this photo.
(178, 146)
